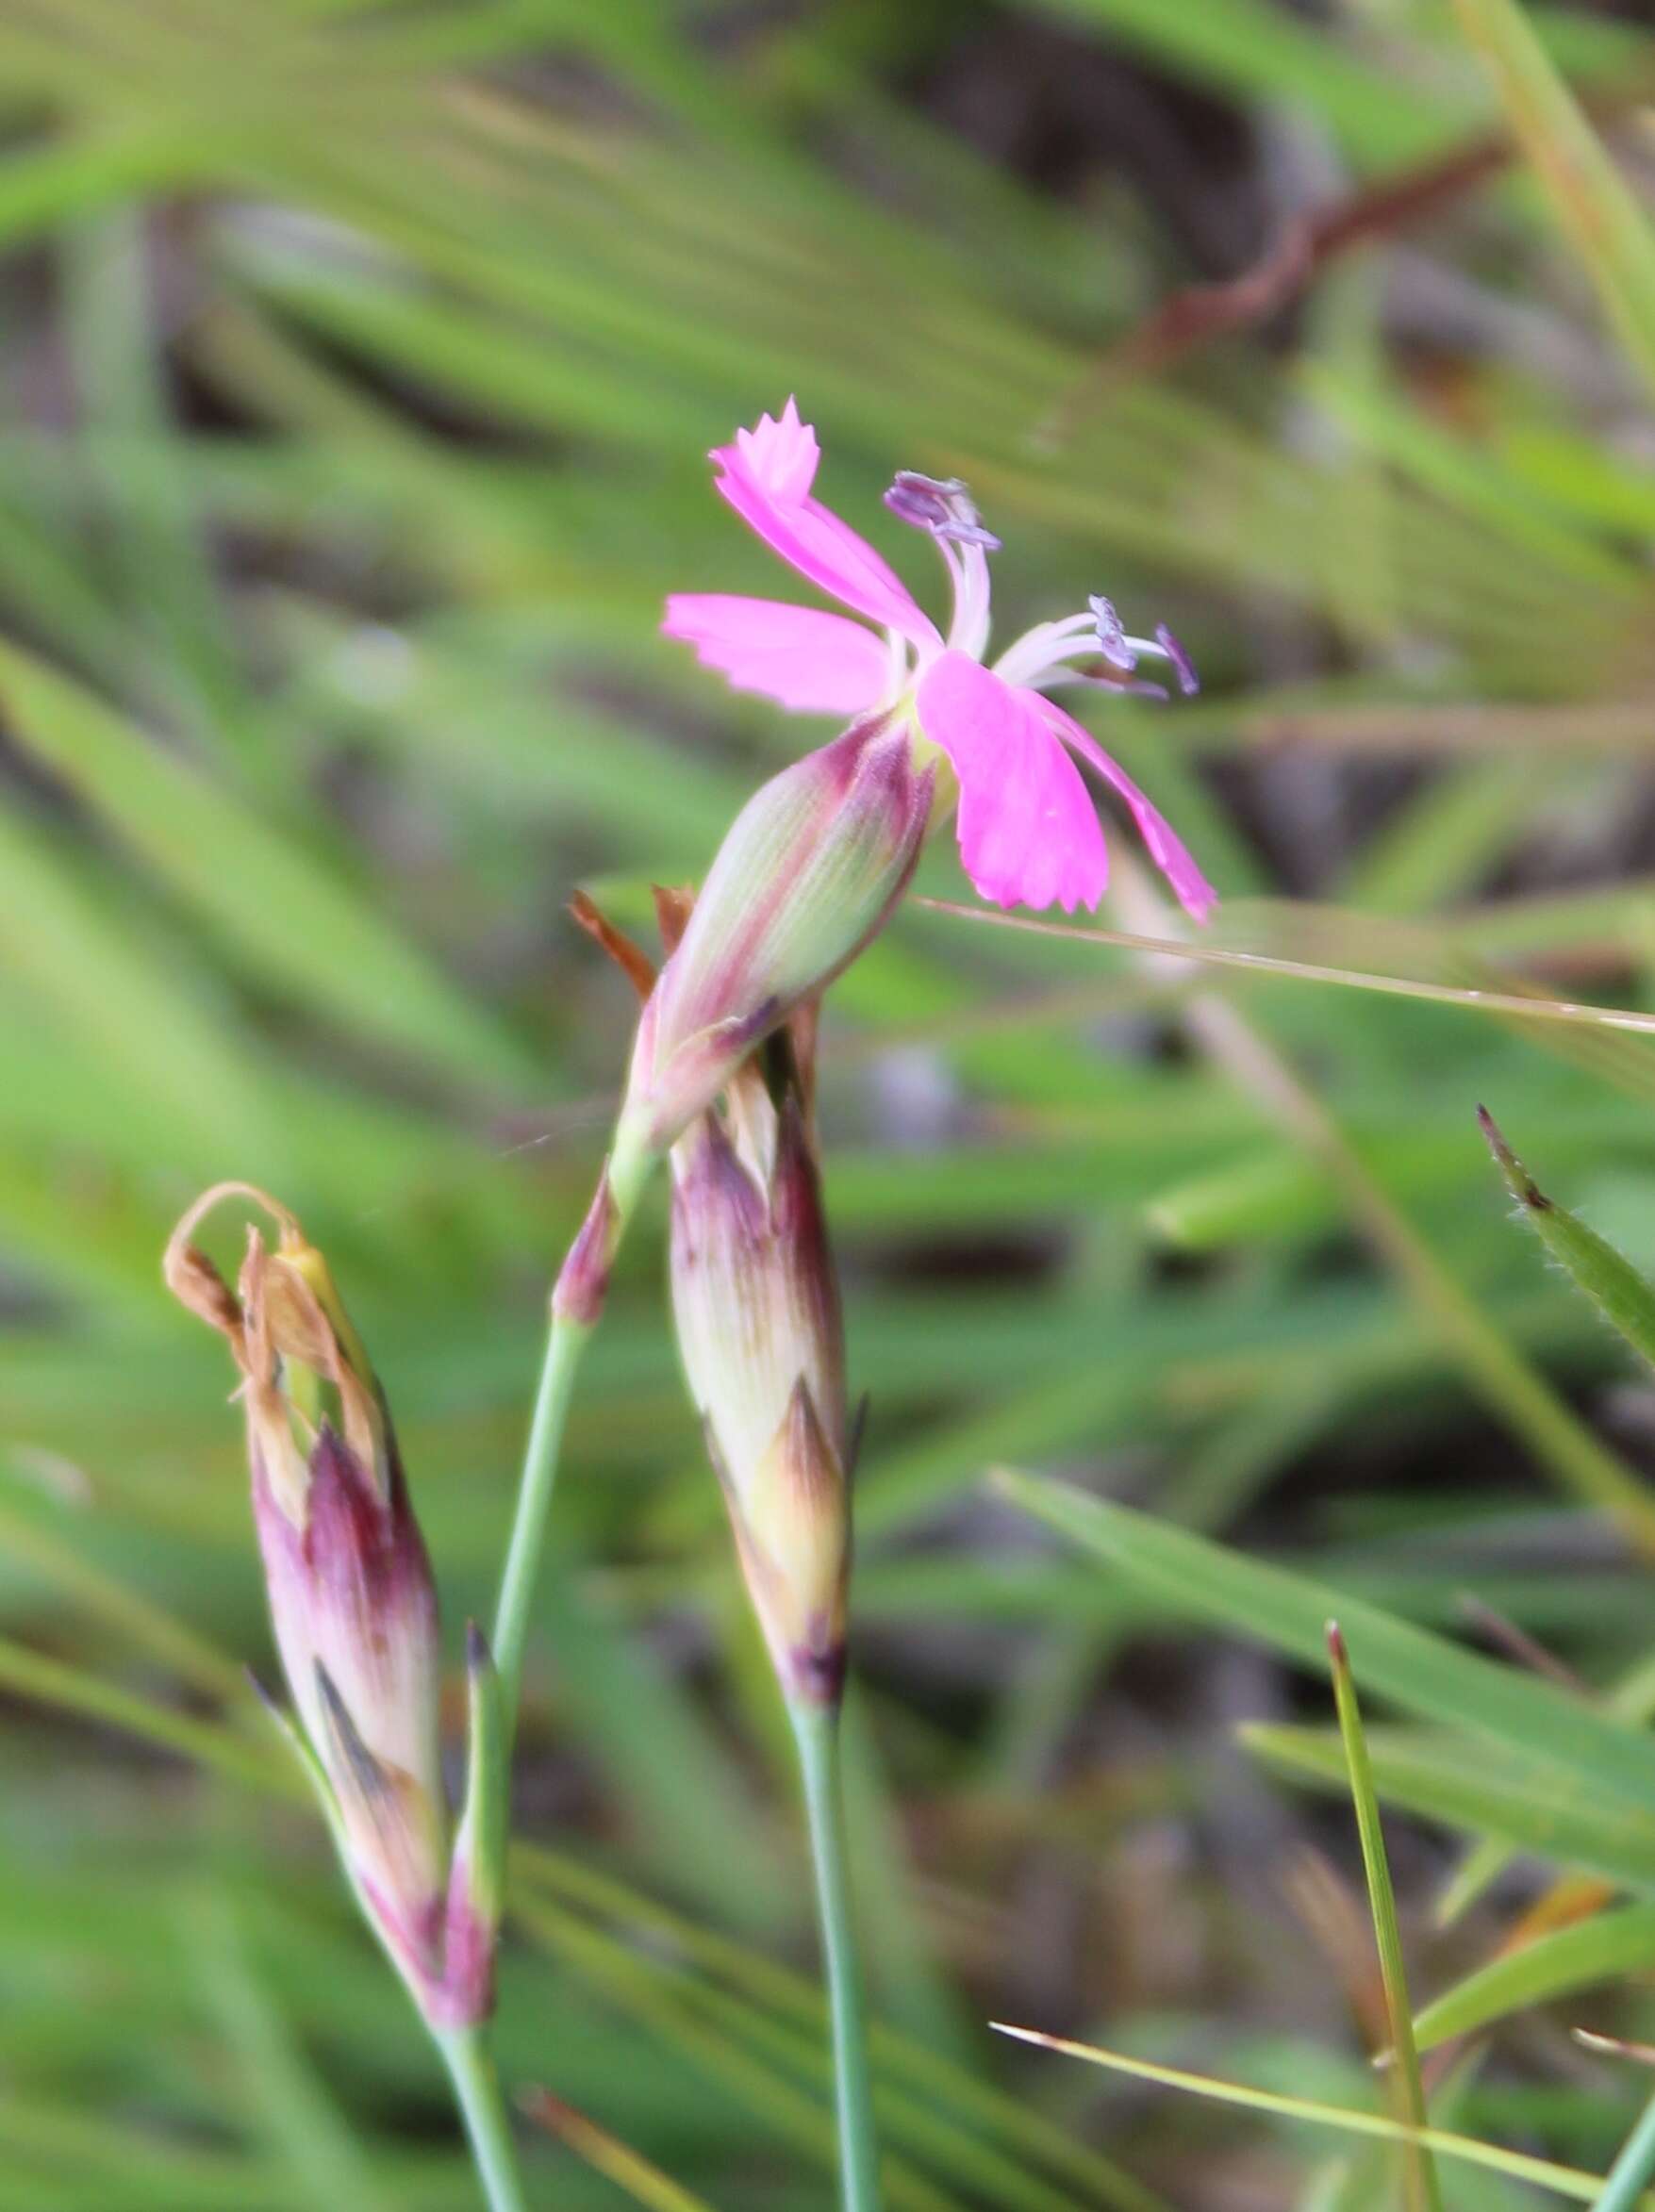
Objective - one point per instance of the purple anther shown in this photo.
(1111, 634)
(941, 504)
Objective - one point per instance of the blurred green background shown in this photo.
(360, 364)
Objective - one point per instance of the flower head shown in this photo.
(351, 1596)
(1029, 833)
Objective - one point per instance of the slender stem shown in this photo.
(817, 1728)
(629, 1170)
(470, 2064)
(1632, 2168)
(564, 1347)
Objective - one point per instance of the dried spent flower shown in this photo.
(352, 1602)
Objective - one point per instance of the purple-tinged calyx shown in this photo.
(807, 875)
(941, 504)
(351, 1595)
(756, 1302)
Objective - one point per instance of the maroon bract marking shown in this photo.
(583, 1281)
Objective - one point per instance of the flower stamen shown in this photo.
(1122, 652)
(1110, 633)
(941, 504)
(1183, 667)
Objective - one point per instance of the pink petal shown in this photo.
(781, 456)
(1167, 849)
(1029, 833)
(811, 662)
(766, 476)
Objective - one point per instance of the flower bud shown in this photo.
(807, 875)
(351, 1595)
(756, 1304)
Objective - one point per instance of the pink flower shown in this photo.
(1029, 833)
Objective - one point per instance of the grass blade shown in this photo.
(292, 2108)
(1608, 1944)
(1424, 1674)
(1593, 204)
(1564, 2181)
(663, 2002)
(1621, 1295)
(143, 1025)
(1632, 2168)
(1419, 2167)
(1307, 971)
(81, 1583)
(1630, 1699)
(974, 2115)
(645, 2184)
(1528, 1803)
(287, 916)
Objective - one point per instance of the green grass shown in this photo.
(360, 365)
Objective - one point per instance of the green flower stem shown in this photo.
(564, 1347)
(1624, 2186)
(817, 1729)
(470, 2065)
(629, 1170)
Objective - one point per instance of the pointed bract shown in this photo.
(583, 1281)
(476, 1886)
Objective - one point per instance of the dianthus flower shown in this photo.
(1029, 833)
